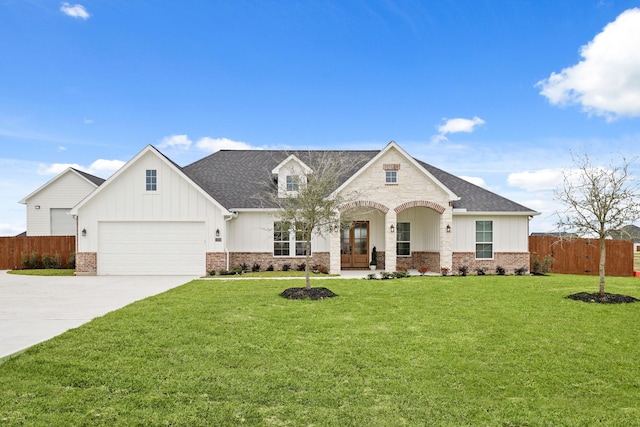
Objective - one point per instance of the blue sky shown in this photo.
(499, 92)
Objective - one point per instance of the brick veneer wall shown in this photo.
(510, 261)
(418, 259)
(86, 263)
(216, 261)
(266, 258)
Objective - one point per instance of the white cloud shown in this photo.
(216, 144)
(607, 81)
(101, 167)
(75, 11)
(460, 125)
(455, 126)
(179, 142)
(476, 180)
(543, 179)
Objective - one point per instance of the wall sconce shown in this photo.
(37, 206)
(448, 228)
(217, 232)
(84, 232)
(335, 228)
(392, 228)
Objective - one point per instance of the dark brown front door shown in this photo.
(354, 245)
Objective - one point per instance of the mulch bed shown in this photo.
(304, 293)
(605, 299)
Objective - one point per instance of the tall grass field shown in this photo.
(441, 351)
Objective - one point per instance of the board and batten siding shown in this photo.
(510, 232)
(425, 228)
(126, 199)
(253, 232)
(63, 193)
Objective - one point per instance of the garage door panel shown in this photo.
(151, 248)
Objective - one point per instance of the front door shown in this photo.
(354, 245)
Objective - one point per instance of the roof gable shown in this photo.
(148, 149)
(91, 179)
(394, 146)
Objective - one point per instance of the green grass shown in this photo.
(44, 272)
(444, 351)
(271, 274)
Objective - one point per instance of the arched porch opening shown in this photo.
(419, 235)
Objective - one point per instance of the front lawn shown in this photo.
(445, 351)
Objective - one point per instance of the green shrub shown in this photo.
(71, 262)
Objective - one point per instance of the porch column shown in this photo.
(334, 251)
(446, 239)
(390, 239)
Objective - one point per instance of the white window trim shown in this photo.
(154, 181)
(394, 174)
(293, 252)
(475, 247)
(403, 241)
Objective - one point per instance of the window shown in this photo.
(391, 177)
(301, 242)
(152, 180)
(403, 239)
(484, 239)
(281, 238)
(292, 183)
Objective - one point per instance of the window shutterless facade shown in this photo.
(403, 239)
(281, 238)
(292, 183)
(391, 177)
(484, 239)
(284, 239)
(301, 242)
(151, 180)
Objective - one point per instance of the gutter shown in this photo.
(228, 218)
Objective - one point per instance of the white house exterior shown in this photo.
(48, 207)
(154, 217)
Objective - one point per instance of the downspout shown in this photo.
(228, 218)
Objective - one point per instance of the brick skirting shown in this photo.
(216, 261)
(86, 264)
(265, 259)
(419, 259)
(510, 261)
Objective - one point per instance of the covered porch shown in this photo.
(408, 236)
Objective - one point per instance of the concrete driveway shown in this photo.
(34, 308)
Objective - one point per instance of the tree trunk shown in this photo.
(603, 254)
(307, 259)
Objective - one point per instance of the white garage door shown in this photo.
(151, 248)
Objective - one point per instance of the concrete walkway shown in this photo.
(36, 308)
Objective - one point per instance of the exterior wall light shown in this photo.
(448, 228)
(37, 206)
(217, 232)
(392, 228)
(84, 232)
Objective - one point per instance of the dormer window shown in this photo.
(152, 179)
(292, 183)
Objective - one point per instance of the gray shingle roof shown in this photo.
(235, 178)
(96, 180)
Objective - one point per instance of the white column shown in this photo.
(446, 239)
(334, 251)
(390, 239)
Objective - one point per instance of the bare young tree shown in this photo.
(598, 201)
(308, 203)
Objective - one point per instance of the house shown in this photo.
(155, 217)
(48, 207)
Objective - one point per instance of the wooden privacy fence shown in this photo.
(582, 256)
(12, 248)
